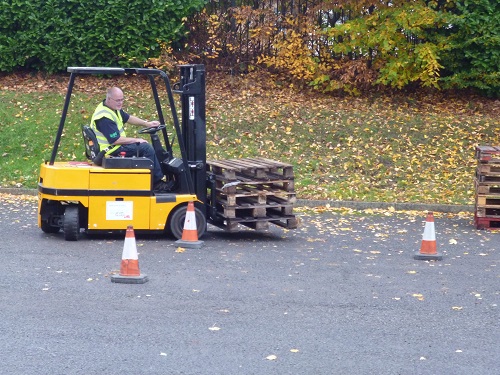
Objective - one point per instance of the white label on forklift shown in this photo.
(119, 210)
(191, 107)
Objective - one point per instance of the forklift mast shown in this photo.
(191, 89)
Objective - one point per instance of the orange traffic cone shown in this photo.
(428, 248)
(190, 233)
(129, 268)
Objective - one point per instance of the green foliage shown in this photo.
(395, 41)
(352, 45)
(292, 53)
(472, 57)
(53, 34)
(349, 45)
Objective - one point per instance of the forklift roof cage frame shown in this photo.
(191, 137)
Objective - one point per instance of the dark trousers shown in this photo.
(145, 150)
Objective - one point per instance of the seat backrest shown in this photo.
(91, 144)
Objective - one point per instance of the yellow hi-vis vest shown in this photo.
(115, 116)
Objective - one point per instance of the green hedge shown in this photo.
(50, 35)
(472, 56)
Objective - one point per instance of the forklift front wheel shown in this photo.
(175, 225)
(71, 226)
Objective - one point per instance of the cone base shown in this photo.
(436, 256)
(141, 279)
(189, 244)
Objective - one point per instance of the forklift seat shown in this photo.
(91, 145)
(96, 155)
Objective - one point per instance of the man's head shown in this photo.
(114, 98)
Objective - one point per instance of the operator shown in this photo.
(108, 124)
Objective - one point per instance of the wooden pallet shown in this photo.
(256, 168)
(488, 169)
(256, 211)
(262, 223)
(253, 192)
(232, 186)
(258, 196)
(488, 211)
(488, 200)
(486, 188)
(487, 222)
(485, 178)
(488, 154)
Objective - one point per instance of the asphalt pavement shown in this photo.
(340, 295)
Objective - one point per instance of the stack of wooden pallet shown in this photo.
(253, 192)
(487, 184)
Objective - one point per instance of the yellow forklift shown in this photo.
(106, 193)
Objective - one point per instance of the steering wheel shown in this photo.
(152, 129)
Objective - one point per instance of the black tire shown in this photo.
(71, 224)
(47, 228)
(175, 224)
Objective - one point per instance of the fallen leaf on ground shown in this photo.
(418, 296)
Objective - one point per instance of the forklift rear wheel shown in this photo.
(175, 225)
(71, 226)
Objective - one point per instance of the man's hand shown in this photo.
(150, 124)
(134, 120)
(128, 141)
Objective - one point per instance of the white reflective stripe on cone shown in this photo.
(429, 232)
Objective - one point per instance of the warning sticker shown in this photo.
(119, 210)
(191, 107)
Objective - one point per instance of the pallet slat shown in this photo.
(256, 167)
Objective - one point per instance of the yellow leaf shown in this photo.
(418, 296)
